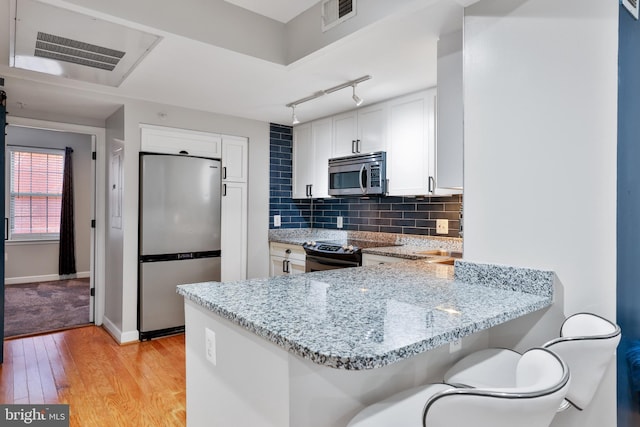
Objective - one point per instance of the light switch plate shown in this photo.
(339, 225)
(442, 226)
(277, 221)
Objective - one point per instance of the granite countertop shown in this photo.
(400, 246)
(369, 317)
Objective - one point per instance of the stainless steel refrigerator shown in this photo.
(179, 239)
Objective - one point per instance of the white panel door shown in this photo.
(372, 129)
(321, 136)
(235, 159)
(302, 159)
(234, 231)
(345, 134)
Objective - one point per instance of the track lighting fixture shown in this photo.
(356, 98)
(294, 119)
(352, 83)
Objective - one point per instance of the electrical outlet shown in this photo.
(442, 226)
(339, 222)
(455, 346)
(210, 345)
(277, 221)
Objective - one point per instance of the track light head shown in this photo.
(356, 98)
(294, 118)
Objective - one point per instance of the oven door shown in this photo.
(319, 263)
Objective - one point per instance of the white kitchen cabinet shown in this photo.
(159, 139)
(411, 127)
(234, 231)
(234, 202)
(286, 259)
(235, 159)
(449, 118)
(372, 259)
(311, 152)
(360, 131)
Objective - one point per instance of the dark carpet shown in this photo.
(34, 308)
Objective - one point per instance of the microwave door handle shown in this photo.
(362, 183)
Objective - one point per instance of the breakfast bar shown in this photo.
(313, 349)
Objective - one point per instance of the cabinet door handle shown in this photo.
(310, 190)
(358, 145)
(288, 251)
(224, 190)
(432, 184)
(353, 146)
(284, 265)
(224, 172)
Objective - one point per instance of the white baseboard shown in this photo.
(117, 334)
(43, 278)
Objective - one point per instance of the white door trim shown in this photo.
(98, 258)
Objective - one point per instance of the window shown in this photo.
(35, 193)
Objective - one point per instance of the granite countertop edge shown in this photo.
(365, 361)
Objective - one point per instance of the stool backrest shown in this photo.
(587, 344)
(542, 383)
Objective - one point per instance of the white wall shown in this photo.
(216, 22)
(122, 299)
(20, 266)
(113, 293)
(540, 158)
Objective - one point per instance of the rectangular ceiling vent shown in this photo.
(335, 12)
(76, 52)
(632, 7)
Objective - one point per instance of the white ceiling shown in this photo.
(280, 10)
(399, 52)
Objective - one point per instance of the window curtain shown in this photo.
(67, 255)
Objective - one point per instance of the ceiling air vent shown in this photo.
(76, 52)
(335, 12)
(632, 7)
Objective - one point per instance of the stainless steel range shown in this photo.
(330, 255)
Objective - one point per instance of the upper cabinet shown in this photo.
(449, 140)
(160, 139)
(420, 132)
(234, 159)
(360, 131)
(311, 152)
(411, 134)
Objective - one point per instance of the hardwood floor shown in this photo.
(105, 384)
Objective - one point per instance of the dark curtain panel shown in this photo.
(67, 257)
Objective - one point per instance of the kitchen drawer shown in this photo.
(294, 252)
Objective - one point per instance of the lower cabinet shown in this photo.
(370, 259)
(285, 259)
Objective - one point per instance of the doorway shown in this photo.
(89, 211)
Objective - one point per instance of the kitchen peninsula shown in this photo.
(312, 349)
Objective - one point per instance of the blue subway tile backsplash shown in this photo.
(403, 215)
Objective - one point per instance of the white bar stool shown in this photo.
(541, 382)
(587, 343)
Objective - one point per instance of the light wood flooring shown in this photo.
(105, 384)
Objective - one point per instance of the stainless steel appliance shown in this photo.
(360, 175)
(179, 239)
(330, 255)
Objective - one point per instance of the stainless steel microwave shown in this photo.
(359, 175)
